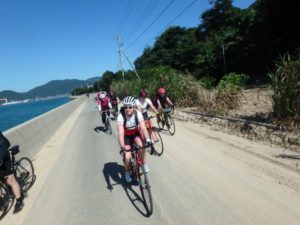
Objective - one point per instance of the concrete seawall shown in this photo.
(35, 133)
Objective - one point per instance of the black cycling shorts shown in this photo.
(7, 167)
(129, 139)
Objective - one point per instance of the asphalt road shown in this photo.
(204, 177)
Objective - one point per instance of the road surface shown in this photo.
(204, 177)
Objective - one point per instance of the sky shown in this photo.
(44, 40)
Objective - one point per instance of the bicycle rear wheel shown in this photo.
(108, 125)
(4, 198)
(170, 125)
(145, 190)
(158, 143)
(25, 173)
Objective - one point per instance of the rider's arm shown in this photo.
(158, 104)
(169, 101)
(109, 105)
(121, 135)
(143, 126)
(152, 106)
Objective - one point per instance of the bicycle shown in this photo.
(107, 120)
(139, 175)
(114, 109)
(158, 145)
(166, 119)
(24, 173)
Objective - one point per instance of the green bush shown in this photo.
(233, 81)
(208, 82)
(285, 82)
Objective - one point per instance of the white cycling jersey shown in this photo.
(143, 103)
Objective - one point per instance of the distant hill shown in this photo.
(52, 88)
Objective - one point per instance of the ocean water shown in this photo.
(15, 114)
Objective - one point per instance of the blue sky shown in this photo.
(44, 40)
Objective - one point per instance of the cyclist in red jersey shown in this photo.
(130, 127)
(103, 104)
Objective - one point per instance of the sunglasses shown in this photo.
(128, 107)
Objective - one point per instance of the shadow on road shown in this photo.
(100, 129)
(113, 174)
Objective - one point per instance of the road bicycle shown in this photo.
(107, 121)
(114, 109)
(24, 173)
(158, 145)
(139, 175)
(167, 120)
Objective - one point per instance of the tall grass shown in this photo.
(285, 82)
(185, 90)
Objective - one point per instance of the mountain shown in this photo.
(52, 88)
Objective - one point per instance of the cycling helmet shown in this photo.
(128, 101)
(102, 96)
(161, 91)
(143, 94)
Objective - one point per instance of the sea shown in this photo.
(12, 115)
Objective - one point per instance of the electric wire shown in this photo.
(156, 18)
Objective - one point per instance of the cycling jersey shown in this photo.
(143, 103)
(162, 100)
(104, 104)
(131, 126)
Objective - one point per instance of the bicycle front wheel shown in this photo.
(158, 143)
(145, 190)
(170, 125)
(4, 198)
(25, 173)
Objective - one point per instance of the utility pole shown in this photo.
(120, 46)
(224, 60)
(121, 52)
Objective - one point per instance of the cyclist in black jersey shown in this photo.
(6, 170)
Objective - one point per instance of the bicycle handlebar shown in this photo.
(135, 148)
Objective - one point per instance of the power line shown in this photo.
(159, 15)
(174, 19)
(144, 16)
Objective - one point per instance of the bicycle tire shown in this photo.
(4, 198)
(160, 124)
(24, 173)
(170, 125)
(158, 144)
(108, 125)
(145, 190)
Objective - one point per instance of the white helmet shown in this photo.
(128, 101)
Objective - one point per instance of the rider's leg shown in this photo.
(12, 182)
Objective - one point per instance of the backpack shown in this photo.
(122, 111)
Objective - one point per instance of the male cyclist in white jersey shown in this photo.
(130, 127)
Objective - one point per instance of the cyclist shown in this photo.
(103, 104)
(143, 102)
(131, 130)
(6, 170)
(163, 101)
(114, 101)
